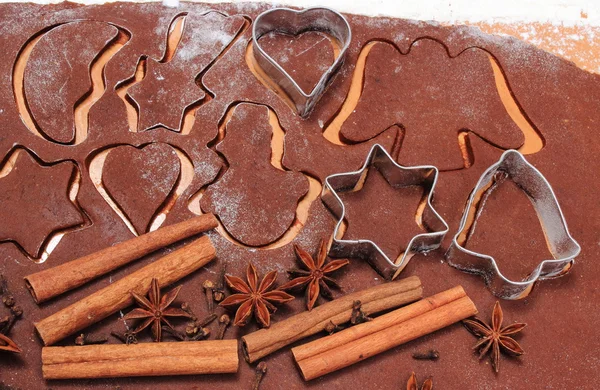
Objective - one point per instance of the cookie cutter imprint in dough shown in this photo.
(289, 21)
(397, 176)
(563, 247)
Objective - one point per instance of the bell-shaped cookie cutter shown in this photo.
(562, 246)
(293, 22)
(397, 176)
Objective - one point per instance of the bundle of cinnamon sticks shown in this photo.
(362, 341)
(49, 283)
(172, 267)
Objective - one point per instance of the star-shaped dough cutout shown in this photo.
(34, 201)
(166, 91)
(398, 177)
(173, 85)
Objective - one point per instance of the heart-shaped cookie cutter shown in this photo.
(562, 246)
(397, 176)
(293, 22)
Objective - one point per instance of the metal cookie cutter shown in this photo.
(563, 247)
(289, 21)
(397, 176)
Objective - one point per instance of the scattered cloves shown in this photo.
(261, 370)
(219, 290)
(84, 339)
(358, 316)
(224, 321)
(208, 287)
(186, 308)
(432, 354)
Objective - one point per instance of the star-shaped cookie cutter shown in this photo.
(293, 22)
(397, 176)
(562, 246)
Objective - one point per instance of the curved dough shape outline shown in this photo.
(82, 107)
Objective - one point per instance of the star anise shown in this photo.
(252, 297)
(7, 344)
(413, 385)
(495, 337)
(315, 275)
(155, 310)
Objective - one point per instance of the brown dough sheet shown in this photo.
(418, 125)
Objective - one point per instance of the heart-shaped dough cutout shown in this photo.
(141, 184)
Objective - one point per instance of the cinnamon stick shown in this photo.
(52, 282)
(115, 297)
(355, 344)
(147, 359)
(386, 296)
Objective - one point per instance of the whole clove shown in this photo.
(261, 370)
(130, 338)
(7, 298)
(432, 354)
(202, 334)
(80, 340)
(358, 316)
(177, 335)
(194, 327)
(224, 321)
(9, 301)
(84, 339)
(207, 320)
(208, 287)
(186, 308)
(219, 290)
(8, 324)
(17, 311)
(191, 330)
(332, 328)
(126, 338)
